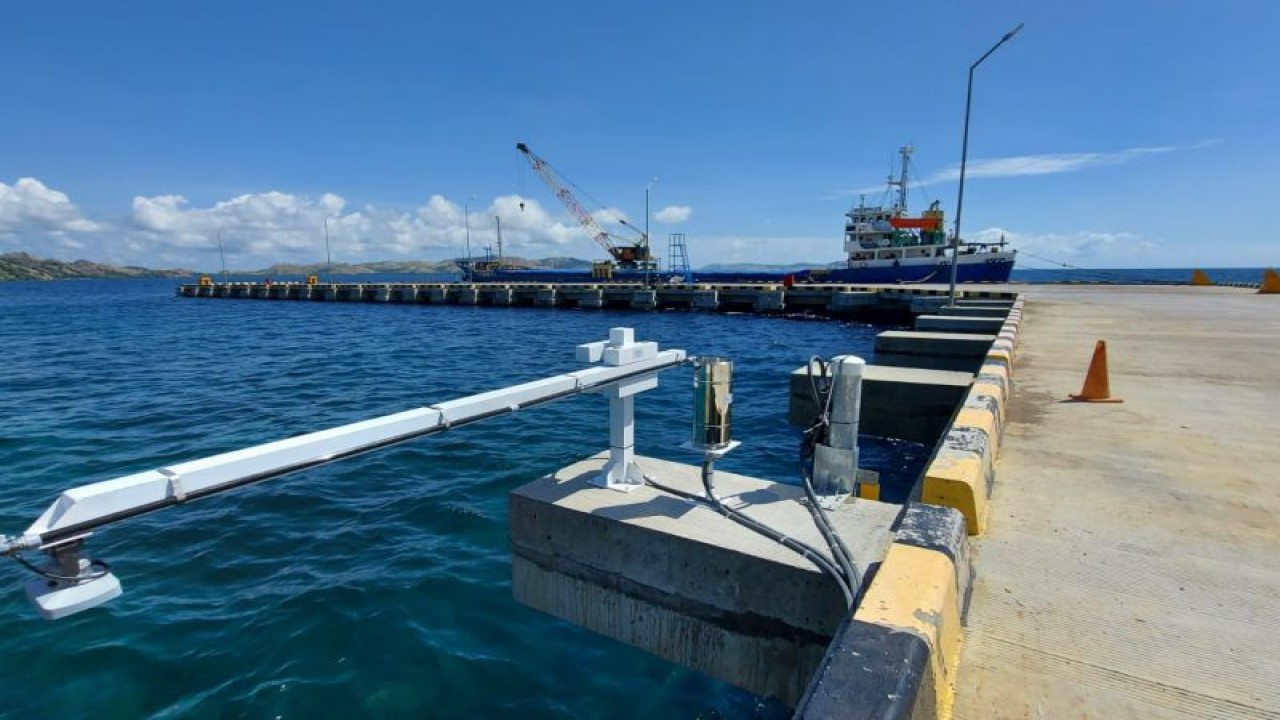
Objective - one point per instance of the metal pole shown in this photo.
(646, 233)
(964, 158)
(223, 257)
(466, 221)
(327, 257)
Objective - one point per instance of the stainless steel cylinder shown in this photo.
(712, 398)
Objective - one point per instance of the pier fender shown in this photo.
(961, 474)
(897, 657)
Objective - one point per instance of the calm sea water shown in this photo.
(1135, 276)
(374, 587)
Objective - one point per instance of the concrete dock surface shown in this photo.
(1132, 564)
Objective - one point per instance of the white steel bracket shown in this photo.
(620, 350)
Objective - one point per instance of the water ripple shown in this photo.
(376, 587)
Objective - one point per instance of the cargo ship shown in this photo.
(883, 244)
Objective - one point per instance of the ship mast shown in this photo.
(900, 206)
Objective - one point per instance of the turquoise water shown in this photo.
(374, 587)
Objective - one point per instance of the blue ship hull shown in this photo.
(987, 271)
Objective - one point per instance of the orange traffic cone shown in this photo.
(1270, 282)
(1199, 277)
(1096, 386)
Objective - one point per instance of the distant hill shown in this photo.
(370, 268)
(410, 267)
(21, 266)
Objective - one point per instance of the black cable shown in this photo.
(838, 547)
(815, 435)
(1093, 275)
(804, 550)
(66, 578)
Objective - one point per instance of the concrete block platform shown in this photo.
(973, 311)
(958, 323)
(933, 350)
(897, 402)
(682, 581)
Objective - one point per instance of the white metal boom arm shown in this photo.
(78, 511)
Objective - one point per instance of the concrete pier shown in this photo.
(684, 582)
(960, 310)
(817, 298)
(959, 324)
(546, 297)
(933, 350)
(897, 402)
(1130, 568)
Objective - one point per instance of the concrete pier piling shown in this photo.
(681, 580)
(933, 350)
(958, 324)
(764, 298)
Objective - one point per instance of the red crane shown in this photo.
(632, 253)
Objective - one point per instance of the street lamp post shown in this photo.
(964, 158)
(328, 258)
(466, 223)
(648, 246)
(223, 257)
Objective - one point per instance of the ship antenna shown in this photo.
(906, 151)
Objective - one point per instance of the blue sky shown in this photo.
(1106, 134)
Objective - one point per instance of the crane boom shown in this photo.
(630, 255)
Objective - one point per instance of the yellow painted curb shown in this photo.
(959, 480)
(961, 473)
(915, 591)
(984, 420)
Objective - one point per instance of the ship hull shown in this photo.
(982, 268)
(986, 268)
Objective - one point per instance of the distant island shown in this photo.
(408, 267)
(21, 266)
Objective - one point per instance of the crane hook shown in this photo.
(521, 207)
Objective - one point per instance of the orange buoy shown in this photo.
(1198, 277)
(1097, 388)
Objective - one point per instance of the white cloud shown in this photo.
(1090, 247)
(1045, 164)
(29, 208)
(258, 229)
(673, 214)
(273, 227)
